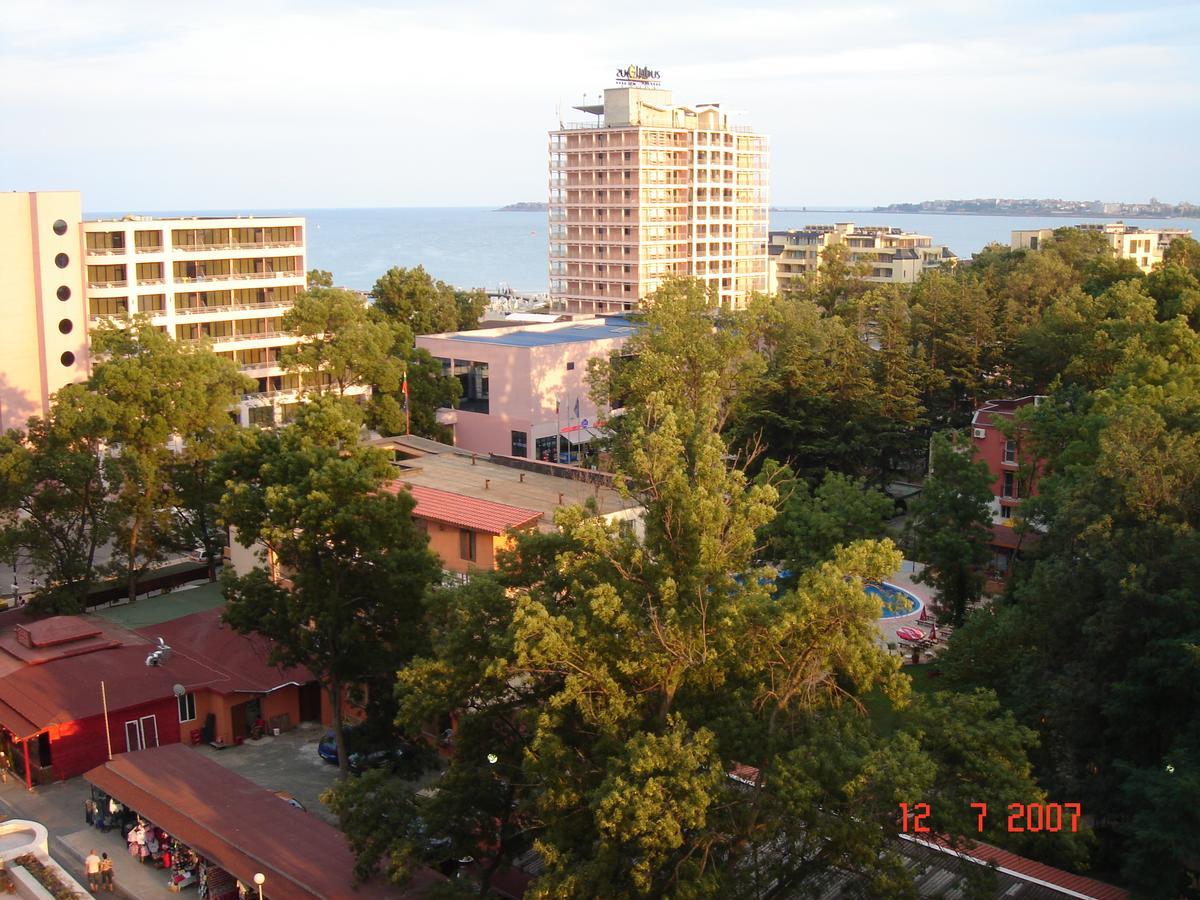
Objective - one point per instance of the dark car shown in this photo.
(402, 757)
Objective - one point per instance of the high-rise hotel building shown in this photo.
(227, 280)
(649, 190)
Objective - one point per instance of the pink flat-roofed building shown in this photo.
(525, 390)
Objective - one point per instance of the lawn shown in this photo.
(886, 718)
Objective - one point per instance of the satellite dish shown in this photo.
(179, 690)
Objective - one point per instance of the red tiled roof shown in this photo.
(58, 630)
(465, 512)
(34, 643)
(1030, 869)
(241, 658)
(242, 827)
(66, 690)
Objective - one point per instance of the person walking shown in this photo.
(91, 866)
(106, 874)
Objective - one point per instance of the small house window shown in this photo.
(466, 544)
(1010, 451)
(187, 707)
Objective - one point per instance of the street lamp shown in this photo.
(259, 879)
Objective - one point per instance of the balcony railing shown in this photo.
(229, 307)
(103, 285)
(235, 336)
(156, 248)
(239, 245)
(236, 276)
(155, 280)
(106, 251)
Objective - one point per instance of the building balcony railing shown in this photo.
(159, 280)
(269, 395)
(233, 337)
(230, 307)
(106, 251)
(238, 245)
(104, 285)
(236, 276)
(261, 364)
(156, 248)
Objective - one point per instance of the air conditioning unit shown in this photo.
(980, 433)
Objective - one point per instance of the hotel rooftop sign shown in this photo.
(638, 76)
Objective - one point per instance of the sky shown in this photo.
(261, 104)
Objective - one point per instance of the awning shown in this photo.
(579, 436)
(15, 723)
(241, 827)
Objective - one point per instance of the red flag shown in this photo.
(407, 414)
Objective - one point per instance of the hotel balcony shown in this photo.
(208, 279)
(240, 308)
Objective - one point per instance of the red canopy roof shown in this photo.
(241, 827)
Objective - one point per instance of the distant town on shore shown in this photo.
(993, 206)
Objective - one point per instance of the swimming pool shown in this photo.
(896, 601)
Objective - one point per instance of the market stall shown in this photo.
(209, 827)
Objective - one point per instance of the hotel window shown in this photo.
(520, 444)
(1010, 451)
(466, 544)
(1010, 487)
(187, 707)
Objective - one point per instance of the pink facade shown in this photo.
(1004, 456)
(524, 385)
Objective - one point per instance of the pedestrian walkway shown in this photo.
(59, 807)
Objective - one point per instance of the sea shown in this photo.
(482, 247)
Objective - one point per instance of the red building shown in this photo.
(76, 690)
(1014, 471)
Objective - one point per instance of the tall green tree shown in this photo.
(951, 525)
(355, 563)
(341, 344)
(813, 523)
(170, 404)
(54, 496)
(319, 278)
(422, 303)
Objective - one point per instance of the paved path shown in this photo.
(286, 763)
(60, 808)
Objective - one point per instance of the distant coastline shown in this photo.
(1086, 209)
(525, 206)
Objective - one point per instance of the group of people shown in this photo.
(99, 870)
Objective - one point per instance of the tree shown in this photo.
(603, 698)
(341, 343)
(54, 496)
(412, 297)
(812, 524)
(470, 306)
(319, 278)
(170, 405)
(951, 525)
(356, 564)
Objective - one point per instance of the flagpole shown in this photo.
(107, 733)
(407, 407)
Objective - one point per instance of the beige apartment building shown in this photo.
(649, 190)
(1145, 246)
(227, 280)
(894, 256)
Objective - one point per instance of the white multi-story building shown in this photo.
(650, 190)
(1145, 246)
(229, 280)
(893, 256)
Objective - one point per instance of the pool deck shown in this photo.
(904, 579)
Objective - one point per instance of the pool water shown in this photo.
(896, 601)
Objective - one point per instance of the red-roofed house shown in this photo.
(59, 675)
(466, 532)
(250, 688)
